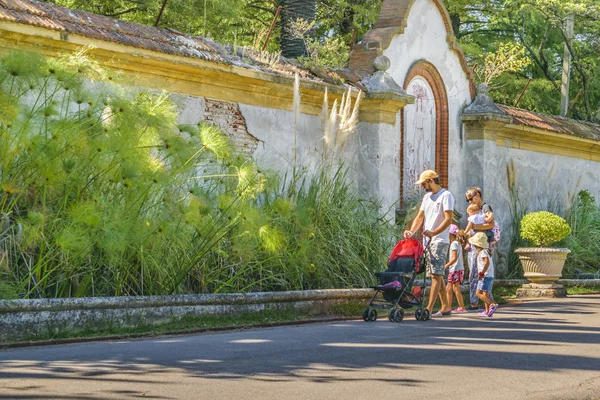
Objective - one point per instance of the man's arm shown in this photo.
(416, 224)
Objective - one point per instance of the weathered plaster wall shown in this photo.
(377, 162)
(274, 130)
(544, 181)
(425, 39)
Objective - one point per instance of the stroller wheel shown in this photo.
(426, 315)
(365, 314)
(398, 315)
(372, 315)
(418, 314)
(391, 315)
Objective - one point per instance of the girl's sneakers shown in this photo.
(492, 309)
(482, 314)
(459, 310)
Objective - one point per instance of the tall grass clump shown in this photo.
(584, 241)
(517, 211)
(112, 198)
(314, 229)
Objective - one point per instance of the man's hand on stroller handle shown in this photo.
(408, 234)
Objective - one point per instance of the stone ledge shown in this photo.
(26, 319)
(536, 290)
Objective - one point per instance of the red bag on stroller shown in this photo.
(407, 248)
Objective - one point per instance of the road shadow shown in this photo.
(526, 338)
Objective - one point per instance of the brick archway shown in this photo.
(428, 72)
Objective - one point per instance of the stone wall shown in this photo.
(28, 319)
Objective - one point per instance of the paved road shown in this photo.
(538, 350)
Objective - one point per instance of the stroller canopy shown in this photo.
(408, 248)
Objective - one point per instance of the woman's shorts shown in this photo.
(485, 284)
(456, 276)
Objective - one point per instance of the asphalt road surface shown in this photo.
(537, 350)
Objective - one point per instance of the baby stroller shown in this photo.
(396, 284)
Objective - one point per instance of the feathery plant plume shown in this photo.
(296, 108)
(213, 139)
(326, 127)
(348, 119)
(332, 129)
(340, 124)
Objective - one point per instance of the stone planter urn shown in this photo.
(543, 265)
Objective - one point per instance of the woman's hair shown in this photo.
(462, 237)
(472, 191)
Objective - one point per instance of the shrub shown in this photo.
(543, 228)
(584, 241)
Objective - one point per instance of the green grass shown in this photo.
(575, 290)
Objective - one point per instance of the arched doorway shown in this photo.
(424, 129)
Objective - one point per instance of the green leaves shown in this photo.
(510, 57)
(543, 228)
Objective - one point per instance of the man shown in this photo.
(473, 195)
(435, 214)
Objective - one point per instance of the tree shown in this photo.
(537, 25)
(292, 43)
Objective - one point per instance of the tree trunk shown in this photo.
(292, 10)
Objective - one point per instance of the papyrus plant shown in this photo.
(114, 198)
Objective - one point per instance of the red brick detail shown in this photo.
(435, 81)
(392, 21)
(227, 116)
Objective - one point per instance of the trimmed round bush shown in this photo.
(543, 228)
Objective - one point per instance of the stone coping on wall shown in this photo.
(155, 68)
(508, 131)
(68, 21)
(26, 319)
(99, 303)
(31, 318)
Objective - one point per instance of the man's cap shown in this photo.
(428, 174)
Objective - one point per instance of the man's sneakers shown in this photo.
(472, 308)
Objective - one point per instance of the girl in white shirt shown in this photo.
(485, 269)
(456, 268)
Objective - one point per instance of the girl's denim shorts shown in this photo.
(485, 284)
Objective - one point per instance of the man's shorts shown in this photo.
(456, 276)
(436, 255)
(485, 284)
